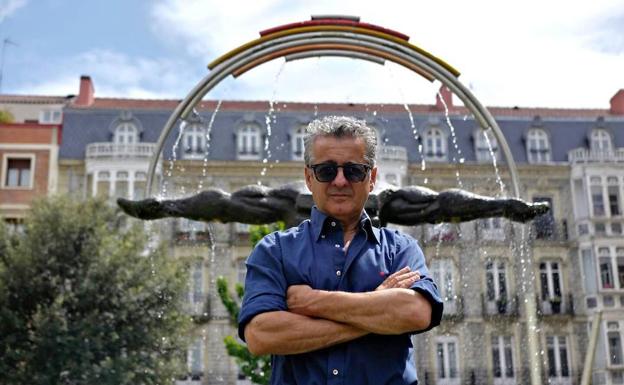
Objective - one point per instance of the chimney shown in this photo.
(85, 95)
(446, 99)
(617, 103)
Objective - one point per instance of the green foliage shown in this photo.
(82, 303)
(257, 369)
(6, 117)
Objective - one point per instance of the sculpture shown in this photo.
(291, 203)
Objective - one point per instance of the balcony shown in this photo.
(548, 229)
(500, 308)
(454, 308)
(107, 150)
(392, 153)
(583, 155)
(563, 306)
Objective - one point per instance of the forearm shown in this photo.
(391, 311)
(283, 332)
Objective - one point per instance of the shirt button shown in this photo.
(333, 224)
(335, 372)
(338, 273)
(323, 236)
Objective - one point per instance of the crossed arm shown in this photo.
(317, 319)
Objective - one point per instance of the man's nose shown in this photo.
(340, 179)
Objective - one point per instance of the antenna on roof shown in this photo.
(5, 43)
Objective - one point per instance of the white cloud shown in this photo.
(9, 7)
(531, 53)
(114, 74)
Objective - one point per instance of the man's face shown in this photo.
(340, 198)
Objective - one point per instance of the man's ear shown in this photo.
(308, 177)
(373, 179)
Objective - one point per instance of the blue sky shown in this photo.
(533, 53)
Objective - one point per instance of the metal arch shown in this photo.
(380, 43)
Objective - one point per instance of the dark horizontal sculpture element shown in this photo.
(291, 203)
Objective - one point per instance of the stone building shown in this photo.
(571, 259)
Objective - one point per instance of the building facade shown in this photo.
(571, 259)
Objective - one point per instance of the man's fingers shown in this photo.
(403, 278)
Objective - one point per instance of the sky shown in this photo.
(546, 53)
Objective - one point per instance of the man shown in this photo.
(335, 299)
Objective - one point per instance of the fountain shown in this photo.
(346, 37)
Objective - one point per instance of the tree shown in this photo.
(83, 302)
(6, 117)
(256, 368)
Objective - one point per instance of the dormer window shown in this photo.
(248, 142)
(194, 141)
(434, 145)
(50, 116)
(126, 133)
(600, 140)
(297, 142)
(486, 146)
(538, 146)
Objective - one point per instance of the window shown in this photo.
(196, 287)
(502, 358)
(557, 357)
(442, 273)
(18, 172)
(50, 116)
(606, 270)
(193, 141)
(447, 361)
(614, 342)
(121, 184)
(492, 228)
(495, 281)
(195, 359)
(597, 198)
(102, 185)
(297, 143)
(608, 265)
(486, 146)
(538, 147)
(14, 225)
(248, 142)
(125, 133)
(241, 270)
(600, 140)
(434, 145)
(550, 281)
(140, 182)
(544, 225)
(613, 196)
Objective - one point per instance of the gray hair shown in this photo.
(338, 127)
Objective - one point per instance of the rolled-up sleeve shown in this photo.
(265, 284)
(408, 253)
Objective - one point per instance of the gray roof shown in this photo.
(82, 126)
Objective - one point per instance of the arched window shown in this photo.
(194, 140)
(248, 142)
(600, 140)
(434, 145)
(486, 145)
(126, 133)
(297, 142)
(538, 146)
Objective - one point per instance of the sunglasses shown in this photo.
(353, 172)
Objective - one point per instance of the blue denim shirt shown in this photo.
(312, 254)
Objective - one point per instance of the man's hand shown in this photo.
(402, 279)
(299, 298)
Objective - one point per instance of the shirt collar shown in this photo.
(319, 222)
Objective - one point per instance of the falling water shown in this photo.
(458, 152)
(174, 157)
(486, 133)
(200, 185)
(270, 118)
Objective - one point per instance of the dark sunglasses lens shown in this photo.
(354, 172)
(326, 172)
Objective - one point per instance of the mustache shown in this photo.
(341, 191)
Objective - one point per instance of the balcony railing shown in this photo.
(392, 153)
(116, 150)
(550, 230)
(556, 306)
(454, 308)
(583, 155)
(500, 308)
